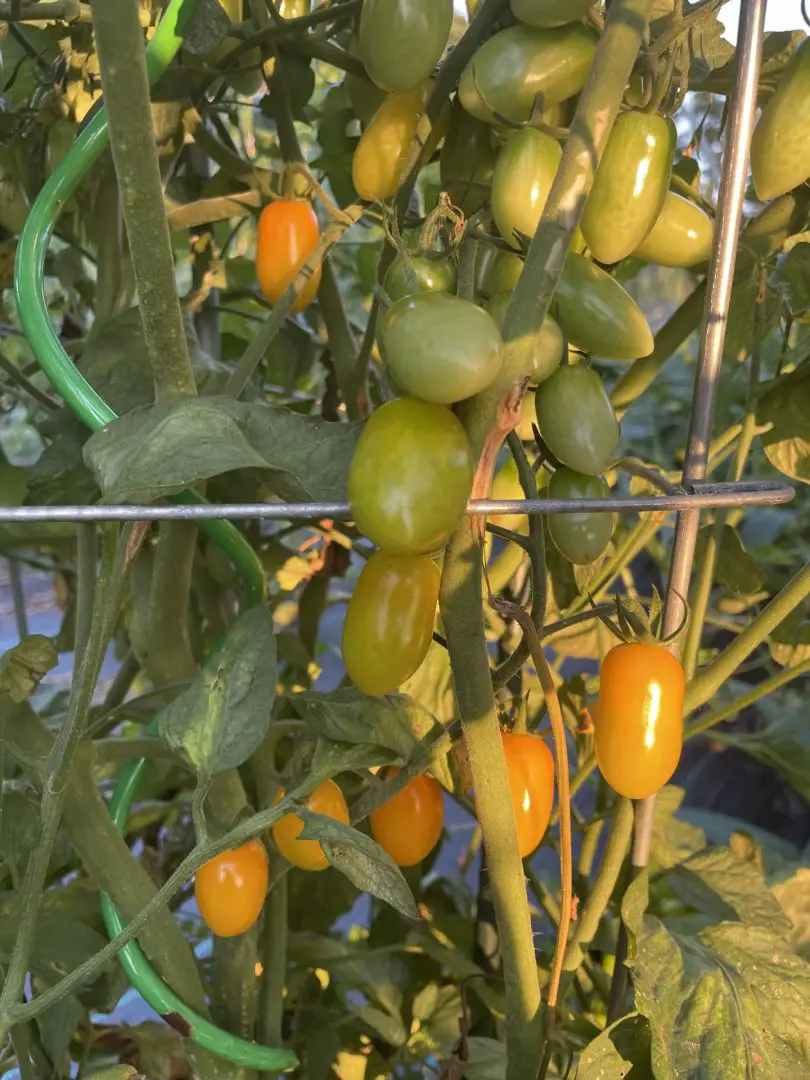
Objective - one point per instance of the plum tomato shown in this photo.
(410, 824)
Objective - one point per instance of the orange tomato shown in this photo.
(288, 233)
(230, 889)
(308, 854)
(408, 826)
(530, 765)
(638, 723)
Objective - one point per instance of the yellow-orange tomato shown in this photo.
(530, 765)
(638, 721)
(288, 234)
(389, 621)
(230, 889)
(408, 826)
(381, 157)
(308, 854)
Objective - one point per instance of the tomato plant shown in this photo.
(681, 236)
(401, 40)
(288, 234)
(780, 156)
(327, 799)
(431, 274)
(580, 537)
(230, 889)
(409, 825)
(577, 419)
(523, 177)
(381, 157)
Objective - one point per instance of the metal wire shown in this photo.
(700, 496)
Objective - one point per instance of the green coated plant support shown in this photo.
(95, 413)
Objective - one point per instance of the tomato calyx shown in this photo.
(635, 624)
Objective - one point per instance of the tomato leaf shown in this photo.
(673, 839)
(727, 889)
(794, 277)
(223, 716)
(23, 667)
(790, 642)
(735, 568)
(362, 861)
(57, 1026)
(621, 1050)
(793, 895)
(785, 405)
(784, 744)
(486, 1059)
(165, 448)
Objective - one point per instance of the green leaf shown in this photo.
(622, 1050)
(486, 1059)
(363, 862)
(726, 888)
(117, 1072)
(673, 839)
(708, 49)
(208, 27)
(784, 745)
(794, 276)
(431, 685)
(747, 319)
(223, 716)
(794, 898)
(23, 667)
(348, 715)
(736, 569)
(160, 1051)
(437, 1008)
(785, 406)
(165, 448)
(731, 1000)
(790, 642)
(57, 1025)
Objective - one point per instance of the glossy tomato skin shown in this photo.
(288, 233)
(467, 160)
(389, 621)
(530, 765)
(381, 156)
(411, 476)
(515, 65)
(440, 347)
(523, 177)
(630, 185)
(681, 236)
(597, 315)
(409, 826)
(230, 889)
(496, 271)
(327, 799)
(433, 274)
(576, 419)
(548, 13)
(638, 721)
(581, 538)
(402, 40)
(548, 345)
(780, 148)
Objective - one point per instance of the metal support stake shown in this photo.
(715, 318)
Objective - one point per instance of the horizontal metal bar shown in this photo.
(701, 496)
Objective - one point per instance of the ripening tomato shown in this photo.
(433, 273)
(681, 236)
(389, 621)
(639, 718)
(288, 234)
(548, 344)
(630, 185)
(440, 347)
(401, 41)
(780, 148)
(381, 156)
(230, 889)
(467, 160)
(514, 66)
(597, 315)
(581, 538)
(545, 13)
(530, 765)
(410, 476)
(327, 799)
(408, 826)
(524, 173)
(576, 419)
(496, 271)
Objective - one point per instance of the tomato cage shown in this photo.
(687, 499)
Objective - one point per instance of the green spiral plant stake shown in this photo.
(95, 412)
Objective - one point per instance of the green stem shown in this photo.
(274, 958)
(163, 644)
(341, 339)
(86, 590)
(728, 712)
(58, 768)
(466, 267)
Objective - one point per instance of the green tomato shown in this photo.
(294, 9)
(402, 40)
(765, 234)
(389, 621)
(548, 345)
(432, 275)
(524, 173)
(682, 235)
(467, 161)
(597, 315)
(576, 419)
(410, 476)
(630, 185)
(509, 70)
(780, 147)
(441, 348)
(581, 538)
(546, 13)
(496, 271)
